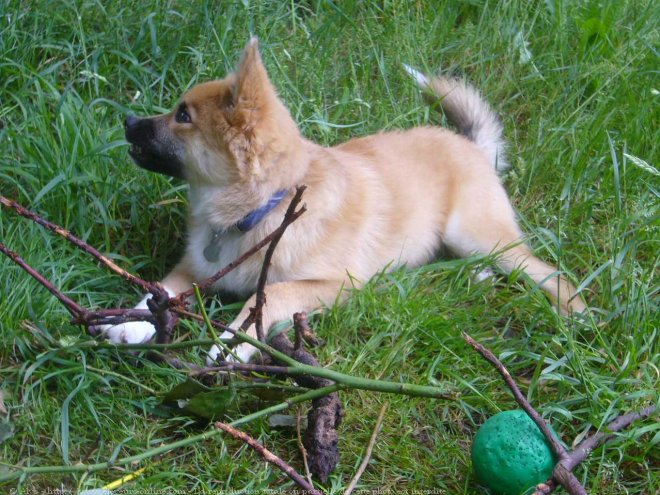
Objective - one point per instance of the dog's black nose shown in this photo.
(130, 121)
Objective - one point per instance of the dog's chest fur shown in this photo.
(231, 244)
(241, 280)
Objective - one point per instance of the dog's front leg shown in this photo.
(283, 299)
(137, 332)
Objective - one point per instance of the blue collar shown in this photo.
(254, 217)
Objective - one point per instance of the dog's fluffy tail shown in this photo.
(467, 110)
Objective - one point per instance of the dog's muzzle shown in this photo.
(149, 150)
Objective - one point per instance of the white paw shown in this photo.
(243, 351)
(480, 276)
(134, 332)
(212, 355)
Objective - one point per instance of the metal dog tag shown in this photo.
(212, 251)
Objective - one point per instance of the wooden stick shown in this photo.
(584, 448)
(289, 217)
(301, 447)
(347, 380)
(112, 317)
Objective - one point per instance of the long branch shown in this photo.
(557, 447)
(347, 380)
(584, 448)
(115, 316)
(367, 455)
(289, 217)
(24, 212)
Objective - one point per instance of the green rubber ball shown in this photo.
(510, 455)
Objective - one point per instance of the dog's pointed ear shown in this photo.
(254, 98)
(252, 88)
(251, 95)
(260, 126)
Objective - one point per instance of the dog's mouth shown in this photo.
(142, 157)
(150, 150)
(154, 161)
(135, 151)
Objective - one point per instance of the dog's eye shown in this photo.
(182, 116)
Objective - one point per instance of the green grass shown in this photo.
(586, 98)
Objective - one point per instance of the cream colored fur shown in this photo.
(380, 201)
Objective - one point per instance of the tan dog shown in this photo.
(380, 201)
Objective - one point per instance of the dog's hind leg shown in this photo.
(283, 299)
(560, 290)
(486, 226)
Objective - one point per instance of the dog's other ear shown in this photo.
(251, 94)
(261, 127)
(252, 90)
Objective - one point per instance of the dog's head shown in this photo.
(222, 132)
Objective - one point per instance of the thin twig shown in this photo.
(367, 455)
(301, 447)
(116, 316)
(347, 380)
(289, 217)
(268, 456)
(584, 448)
(303, 331)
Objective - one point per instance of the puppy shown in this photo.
(380, 201)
